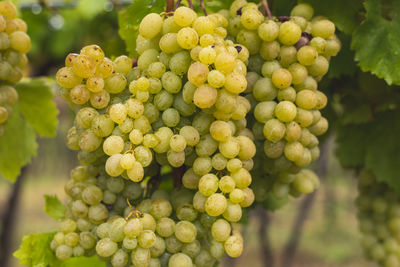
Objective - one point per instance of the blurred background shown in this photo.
(316, 230)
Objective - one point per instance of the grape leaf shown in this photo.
(343, 63)
(342, 12)
(35, 251)
(54, 208)
(377, 43)
(90, 8)
(129, 20)
(35, 100)
(84, 262)
(383, 155)
(17, 145)
(352, 141)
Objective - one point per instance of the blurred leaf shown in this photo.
(352, 141)
(383, 155)
(54, 208)
(343, 13)
(17, 145)
(343, 63)
(90, 8)
(129, 20)
(35, 100)
(35, 251)
(377, 43)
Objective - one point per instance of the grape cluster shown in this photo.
(379, 220)
(288, 56)
(188, 112)
(14, 44)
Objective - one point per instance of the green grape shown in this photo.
(323, 28)
(303, 10)
(150, 25)
(289, 33)
(184, 16)
(215, 204)
(281, 78)
(286, 111)
(268, 31)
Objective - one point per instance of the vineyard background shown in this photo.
(329, 235)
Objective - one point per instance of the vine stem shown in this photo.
(177, 174)
(203, 6)
(266, 7)
(177, 4)
(170, 6)
(8, 220)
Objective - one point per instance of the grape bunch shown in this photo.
(188, 113)
(288, 56)
(14, 44)
(379, 220)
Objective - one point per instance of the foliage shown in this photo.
(54, 208)
(35, 114)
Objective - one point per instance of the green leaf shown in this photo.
(383, 155)
(90, 8)
(343, 13)
(343, 63)
(352, 141)
(17, 145)
(35, 251)
(84, 262)
(54, 208)
(377, 43)
(129, 20)
(35, 100)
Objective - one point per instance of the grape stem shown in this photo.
(266, 7)
(203, 6)
(177, 4)
(170, 6)
(177, 173)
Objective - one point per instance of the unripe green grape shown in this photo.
(149, 56)
(208, 184)
(320, 67)
(165, 227)
(233, 212)
(250, 40)
(63, 252)
(285, 111)
(304, 10)
(289, 33)
(187, 38)
(180, 260)
(268, 31)
(215, 204)
(185, 231)
(88, 141)
(251, 19)
(218, 161)
(307, 55)
(141, 257)
(150, 25)
(229, 148)
(320, 127)
(287, 55)
(197, 73)
(179, 65)
(274, 130)
(184, 16)
(236, 196)
(242, 178)
(205, 96)
(323, 28)
(168, 44)
(264, 90)
(304, 117)
(333, 46)
(269, 50)
(235, 83)
(106, 247)
(281, 78)
(202, 166)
